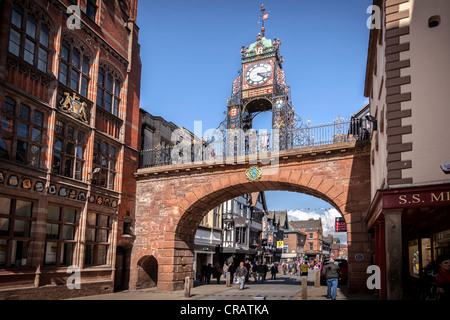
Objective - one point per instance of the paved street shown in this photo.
(285, 287)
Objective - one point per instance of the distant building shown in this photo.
(293, 246)
(314, 237)
(242, 227)
(274, 225)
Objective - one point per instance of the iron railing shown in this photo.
(237, 143)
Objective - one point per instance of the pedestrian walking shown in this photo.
(254, 267)
(225, 270)
(437, 279)
(232, 269)
(217, 272)
(273, 272)
(241, 274)
(261, 271)
(332, 274)
(304, 269)
(208, 273)
(248, 266)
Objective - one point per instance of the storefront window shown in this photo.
(62, 224)
(413, 254)
(15, 231)
(441, 243)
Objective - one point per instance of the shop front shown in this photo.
(410, 228)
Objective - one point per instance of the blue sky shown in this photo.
(190, 57)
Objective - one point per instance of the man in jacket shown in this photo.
(332, 274)
(241, 274)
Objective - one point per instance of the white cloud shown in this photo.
(328, 221)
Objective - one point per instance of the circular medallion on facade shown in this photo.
(359, 257)
(253, 173)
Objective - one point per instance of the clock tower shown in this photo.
(261, 87)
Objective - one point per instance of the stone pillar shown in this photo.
(393, 244)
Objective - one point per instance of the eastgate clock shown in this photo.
(258, 74)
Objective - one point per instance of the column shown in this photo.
(393, 244)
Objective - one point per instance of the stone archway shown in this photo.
(172, 201)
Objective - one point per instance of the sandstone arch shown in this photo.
(172, 201)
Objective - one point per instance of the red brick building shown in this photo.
(69, 102)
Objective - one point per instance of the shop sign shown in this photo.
(340, 226)
(280, 244)
(417, 199)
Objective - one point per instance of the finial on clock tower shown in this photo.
(264, 16)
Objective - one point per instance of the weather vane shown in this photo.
(264, 16)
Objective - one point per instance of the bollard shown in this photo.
(316, 278)
(228, 279)
(304, 288)
(187, 287)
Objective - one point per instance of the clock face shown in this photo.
(258, 74)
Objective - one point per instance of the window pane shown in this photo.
(24, 112)
(89, 255)
(100, 97)
(63, 73)
(108, 102)
(79, 170)
(74, 80)
(70, 215)
(92, 219)
(116, 107)
(91, 10)
(4, 227)
(76, 58)
(50, 253)
(65, 50)
(54, 213)
(67, 254)
(84, 87)
(102, 236)
(42, 60)
(16, 18)
(101, 258)
(9, 106)
(80, 137)
(68, 232)
(112, 176)
(117, 88)
(59, 128)
(24, 208)
(109, 83)
(35, 156)
(3, 247)
(80, 152)
(85, 65)
(7, 124)
(28, 55)
(38, 118)
(43, 39)
(59, 144)
(68, 168)
(52, 231)
(14, 42)
(90, 235)
(5, 205)
(22, 130)
(70, 149)
(101, 77)
(5, 147)
(56, 163)
(22, 228)
(70, 132)
(31, 27)
(19, 253)
(21, 152)
(103, 220)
